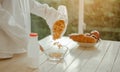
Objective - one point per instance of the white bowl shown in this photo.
(87, 44)
(56, 53)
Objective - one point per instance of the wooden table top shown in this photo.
(104, 57)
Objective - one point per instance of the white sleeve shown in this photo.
(43, 10)
(49, 13)
(13, 30)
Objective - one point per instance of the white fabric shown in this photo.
(12, 35)
(15, 22)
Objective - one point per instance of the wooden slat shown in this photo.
(104, 58)
(83, 58)
(45, 67)
(116, 65)
(18, 62)
(109, 59)
(94, 61)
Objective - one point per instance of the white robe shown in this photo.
(15, 23)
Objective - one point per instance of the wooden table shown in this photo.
(104, 57)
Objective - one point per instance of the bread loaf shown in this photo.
(83, 38)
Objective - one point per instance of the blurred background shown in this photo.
(101, 15)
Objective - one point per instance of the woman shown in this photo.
(15, 23)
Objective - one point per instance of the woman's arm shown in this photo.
(50, 14)
(42, 10)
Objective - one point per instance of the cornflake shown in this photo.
(58, 28)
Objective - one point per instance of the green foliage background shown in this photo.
(103, 16)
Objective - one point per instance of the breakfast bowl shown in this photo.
(86, 39)
(56, 52)
(86, 45)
